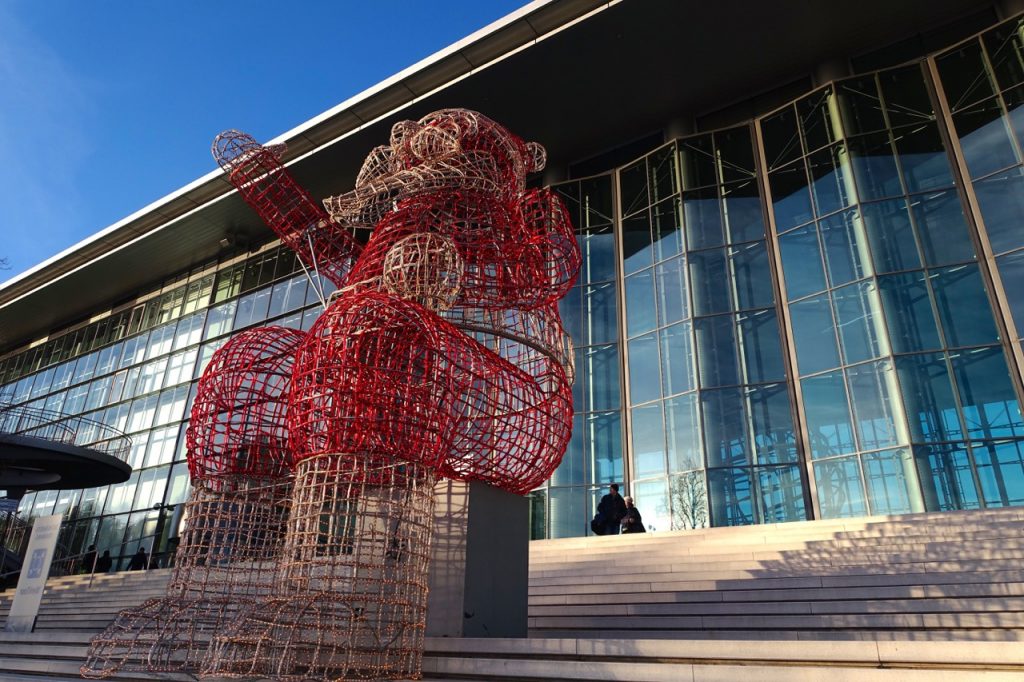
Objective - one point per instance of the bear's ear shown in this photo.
(536, 157)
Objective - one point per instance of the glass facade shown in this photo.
(816, 314)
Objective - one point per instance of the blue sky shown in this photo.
(108, 105)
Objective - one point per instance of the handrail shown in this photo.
(70, 430)
(92, 574)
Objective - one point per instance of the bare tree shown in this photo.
(689, 501)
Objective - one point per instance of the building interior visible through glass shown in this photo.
(816, 314)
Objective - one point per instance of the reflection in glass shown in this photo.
(874, 166)
(947, 482)
(636, 242)
(891, 482)
(640, 308)
(928, 398)
(829, 426)
(1001, 200)
(598, 372)
(772, 421)
(600, 323)
(781, 494)
(846, 249)
(1011, 271)
(725, 430)
(676, 359)
(743, 215)
(597, 247)
(942, 228)
(963, 306)
(666, 220)
(888, 230)
(644, 379)
(908, 312)
(831, 181)
(697, 162)
(923, 158)
(840, 490)
(648, 431)
(984, 138)
(877, 411)
(813, 335)
(716, 351)
(791, 201)
(702, 217)
(683, 430)
(602, 443)
(731, 499)
(709, 275)
(689, 500)
(964, 75)
(801, 262)
(673, 302)
(1000, 466)
(761, 348)
(986, 393)
(751, 276)
(859, 318)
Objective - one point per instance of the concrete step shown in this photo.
(767, 623)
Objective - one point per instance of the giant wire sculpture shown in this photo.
(239, 463)
(442, 355)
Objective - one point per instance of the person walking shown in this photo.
(612, 507)
(88, 564)
(105, 562)
(632, 522)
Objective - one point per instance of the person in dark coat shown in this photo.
(139, 560)
(632, 522)
(104, 563)
(612, 507)
(88, 560)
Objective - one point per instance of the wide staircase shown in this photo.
(914, 597)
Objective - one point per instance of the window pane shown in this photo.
(636, 242)
(840, 491)
(602, 445)
(677, 366)
(781, 138)
(644, 378)
(946, 479)
(651, 498)
(673, 301)
(661, 165)
(751, 276)
(683, 430)
(831, 183)
(731, 498)
(963, 306)
(708, 276)
(598, 372)
(648, 440)
(928, 398)
(725, 431)
(876, 405)
(597, 245)
(891, 236)
(801, 262)
(860, 105)
(568, 512)
(942, 228)
(640, 308)
(908, 312)
(1001, 199)
(1011, 270)
(791, 201)
(923, 157)
(1001, 472)
(689, 499)
(781, 493)
(828, 415)
(702, 216)
(964, 75)
(744, 219)
(772, 419)
(814, 335)
(859, 317)
(891, 482)
(600, 324)
(716, 351)
(874, 166)
(817, 122)
(984, 138)
(666, 221)
(986, 393)
(697, 162)
(761, 348)
(846, 249)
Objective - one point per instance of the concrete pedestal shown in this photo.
(480, 562)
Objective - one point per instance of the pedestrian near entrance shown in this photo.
(612, 508)
(88, 560)
(104, 563)
(139, 561)
(632, 522)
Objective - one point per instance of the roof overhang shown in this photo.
(576, 75)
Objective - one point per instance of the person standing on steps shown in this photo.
(139, 561)
(88, 560)
(104, 563)
(632, 522)
(613, 508)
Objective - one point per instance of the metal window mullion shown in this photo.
(784, 324)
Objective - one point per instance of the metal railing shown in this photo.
(70, 430)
